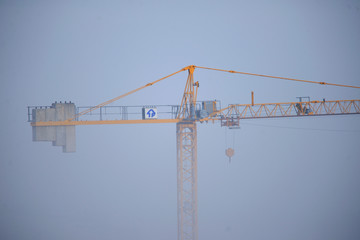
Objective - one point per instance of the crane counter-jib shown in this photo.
(102, 122)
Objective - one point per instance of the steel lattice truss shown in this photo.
(291, 109)
(187, 181)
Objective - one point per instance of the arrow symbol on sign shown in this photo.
(151, 113)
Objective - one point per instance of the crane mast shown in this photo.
(55, 122)
(186, 140)
(186, 144)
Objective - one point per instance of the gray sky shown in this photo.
(286, 180)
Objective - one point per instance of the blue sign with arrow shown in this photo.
(151, 113)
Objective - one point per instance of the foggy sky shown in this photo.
(289, 179)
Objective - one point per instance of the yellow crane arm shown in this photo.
(233, 113)
(230, 115)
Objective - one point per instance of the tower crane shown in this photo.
(57, 123)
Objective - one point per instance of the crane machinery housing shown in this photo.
(56, 123)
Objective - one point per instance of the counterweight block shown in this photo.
(59, 135)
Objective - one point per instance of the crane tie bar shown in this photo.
(121, 96)
(283, 78)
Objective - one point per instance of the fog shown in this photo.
(290, 178)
